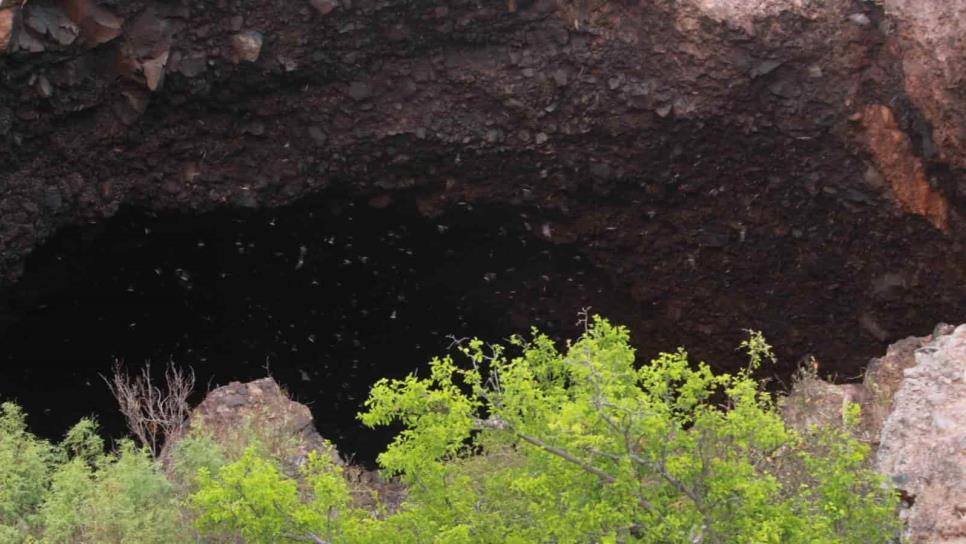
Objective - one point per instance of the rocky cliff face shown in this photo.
(786, 165)
(930, 41)
(789, 165)
(923, 442)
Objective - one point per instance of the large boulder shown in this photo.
(237, 413)
(923, 442)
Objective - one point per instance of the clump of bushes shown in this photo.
(75, 491)
(551, 445)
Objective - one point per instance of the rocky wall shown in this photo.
(729, 164)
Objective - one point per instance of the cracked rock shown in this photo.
(6, 27)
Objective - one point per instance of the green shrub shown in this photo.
(191, 454)
(576, 446)
(566, 446)
(26, 463)
(252, 497)
(74, 492)
(127, 500)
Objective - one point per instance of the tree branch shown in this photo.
(501, 425)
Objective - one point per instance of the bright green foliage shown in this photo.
(253, 498)
(582, 446)
(578, 445)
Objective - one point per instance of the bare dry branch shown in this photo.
(155, 414)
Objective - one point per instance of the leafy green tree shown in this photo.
(581, 446)
(574, 446)
(252, 497)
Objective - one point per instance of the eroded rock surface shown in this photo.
(933, 52)
(923, 441)
(235, 413)
(893, 154)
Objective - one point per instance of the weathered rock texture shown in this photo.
(813, 401)
(236, 413)
(914, 411)
(923, 442)
(729, 163)
(933, 51)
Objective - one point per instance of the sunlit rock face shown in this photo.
(744, 13)
(913, 413)
(922, 447)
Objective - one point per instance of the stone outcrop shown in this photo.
(234, 413)
(933, 56)
(914, 411)
(923, 442)
(893, 154)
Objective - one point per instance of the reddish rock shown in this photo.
(930, 38)
(236, 414)
(913, 403)
(97, 24)
(894, 156)
(324, 7)
(6, 27)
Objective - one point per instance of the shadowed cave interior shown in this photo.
(330, 294)
(327, 295)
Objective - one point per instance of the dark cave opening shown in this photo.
(332, 293)
(327, 295)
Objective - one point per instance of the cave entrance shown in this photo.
(327, 296)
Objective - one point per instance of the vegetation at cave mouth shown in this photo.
(524, 442)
